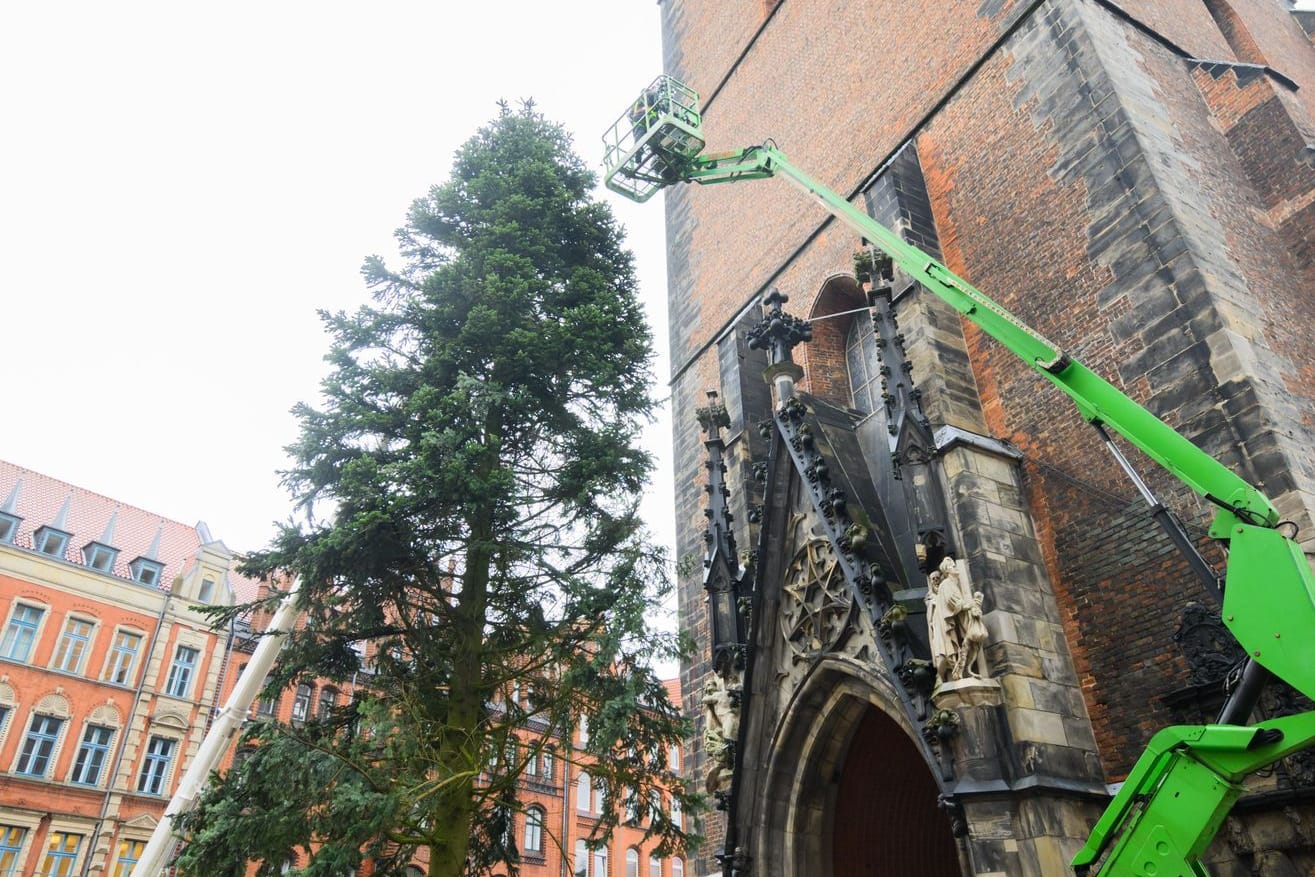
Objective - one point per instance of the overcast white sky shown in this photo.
(183, 185)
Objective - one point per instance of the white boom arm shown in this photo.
(221, 733)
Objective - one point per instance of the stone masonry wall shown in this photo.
(1088, 175)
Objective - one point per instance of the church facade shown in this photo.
(936, 620)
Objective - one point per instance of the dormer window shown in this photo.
(207, 592)
(146, 571)
(99, 557)
(50, 541)
(8, 527)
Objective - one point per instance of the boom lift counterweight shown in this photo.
(1182, 787)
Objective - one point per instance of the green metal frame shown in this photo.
(1183, 786)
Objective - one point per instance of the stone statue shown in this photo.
(721, 724)
(954, 623)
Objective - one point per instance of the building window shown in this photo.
(61, 854)
(583, 793)
(632, 805)
(677, 819)
(531, 762)
(600, 796)
(99, 557)
(146, 572)
(73, 645)
(677, 868)
(534, 831)
(123, 655)
(864, 366)
(155, 766)
(673, 758)
(655, 867)
(600, 862)
(21, 632)
(328, 700)
(11, 845)
(39, 746)
(207, 592)
(91, 755)
(267, 706)
(179, 683)
(632, 862)
(50, 541)
(581, 860)
(546, 767)
(8, 527)
(584, 730)
(130, 851)
(301, 703)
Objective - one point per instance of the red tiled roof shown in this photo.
(673, 690)
(40, 499)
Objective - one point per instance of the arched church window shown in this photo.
(863, 365)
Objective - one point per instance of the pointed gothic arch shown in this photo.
(842, 746)
(826, 370)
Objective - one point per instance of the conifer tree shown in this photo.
(467, 491)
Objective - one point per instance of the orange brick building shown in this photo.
(109, 676)
(108, 673)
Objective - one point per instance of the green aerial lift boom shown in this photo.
(1182, 787)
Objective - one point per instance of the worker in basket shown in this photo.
(650, 106)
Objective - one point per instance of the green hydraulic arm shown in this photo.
(1180, 790)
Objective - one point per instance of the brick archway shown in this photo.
(826, 373)
(847, 792)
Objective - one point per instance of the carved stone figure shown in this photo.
(721, 724)
(954, 623)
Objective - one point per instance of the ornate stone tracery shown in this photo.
(816, 603)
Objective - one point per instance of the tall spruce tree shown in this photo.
(469, 487)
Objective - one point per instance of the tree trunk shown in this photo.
(455, 808)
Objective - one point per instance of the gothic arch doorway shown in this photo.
(885, 819)
(848, 793)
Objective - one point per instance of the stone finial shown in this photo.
(778, 332)
(713, 417)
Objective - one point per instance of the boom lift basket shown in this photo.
(654, 140)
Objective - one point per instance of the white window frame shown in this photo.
(55, 747)
(8, 528)
(112, 654)
(12, 820)
(149, 758)
(88, 643)
(106, 755)
(534, 819)
(301, 707)
(584, 792)
(100, 557)
(118, 851)
(42, 608)
(191, 670)
(41, 541)
(68, 830)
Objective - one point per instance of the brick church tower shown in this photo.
(1134, 179)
